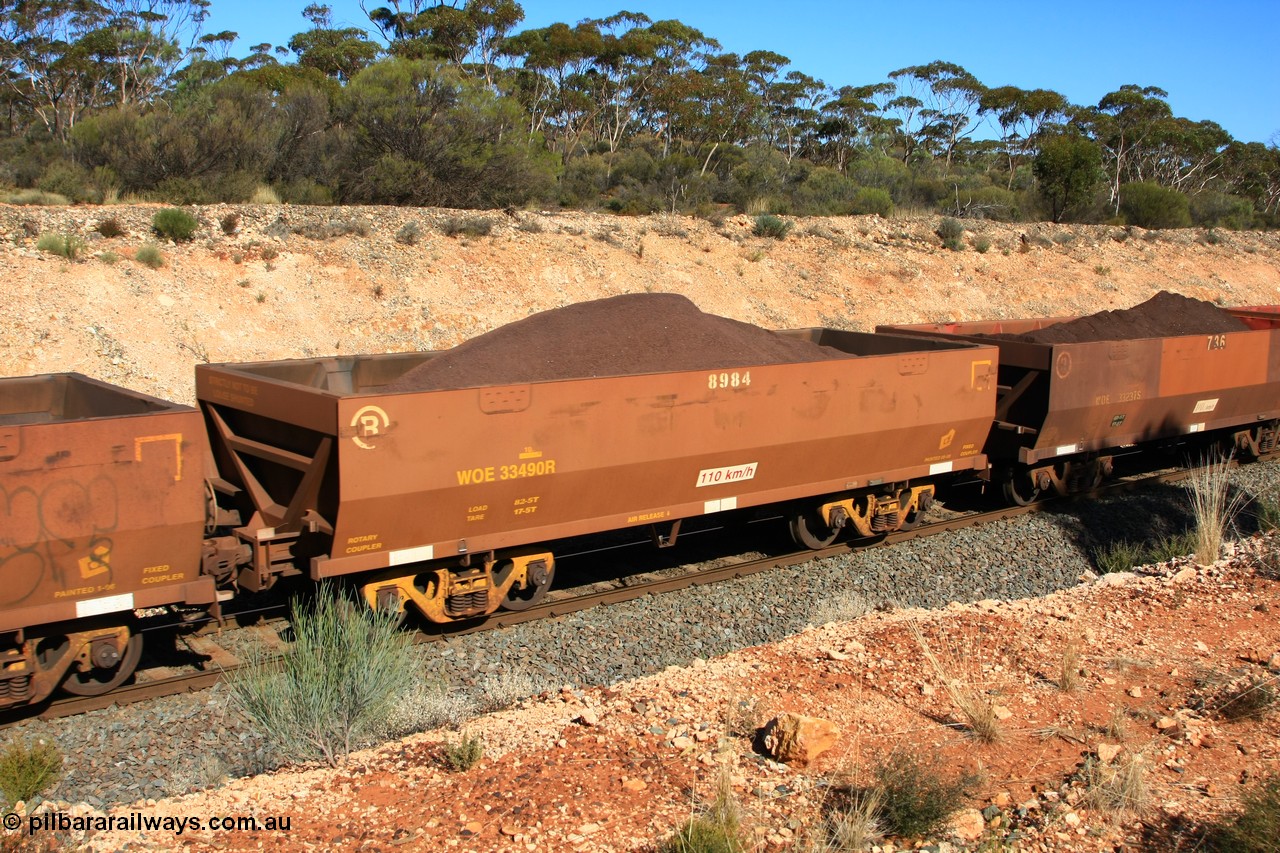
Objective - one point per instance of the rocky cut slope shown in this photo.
(268, 282)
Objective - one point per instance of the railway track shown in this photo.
(157, 683)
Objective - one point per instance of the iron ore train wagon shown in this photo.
(449, 499)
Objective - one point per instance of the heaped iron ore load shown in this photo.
(102, 511)
(1072, 390)
(340, 471)
(622, 335)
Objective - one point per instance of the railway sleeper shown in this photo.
(450, 594)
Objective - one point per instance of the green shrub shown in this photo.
(108, 257)
(463, 754)
(305, 191)
(178, 190)
(28, 770)
(467, 226)
(174, 224)
(869, 200)
(950, 228)
(1253, 829)
(409, 234)
(1210, 209)
(1173, 545)
(768, 225)
(917, 797)
(110, 227)
(336, 685)
(66, 246)
(150, 255)
(981, 245)
(1150, 205)
(718, 829)
(64, 178)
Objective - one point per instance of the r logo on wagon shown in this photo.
(368, 423)
(728, 474)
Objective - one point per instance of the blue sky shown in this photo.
(1216, 60)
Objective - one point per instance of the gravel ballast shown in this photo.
(182, 743)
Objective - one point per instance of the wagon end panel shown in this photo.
(102, 501)
(273, 430)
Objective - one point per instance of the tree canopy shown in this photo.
(452, 103)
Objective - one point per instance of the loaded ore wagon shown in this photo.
(1073, 390)
(102, 511)
(446, 474)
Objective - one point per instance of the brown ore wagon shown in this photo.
(102, 511)
(1065, 407)
(449, 496)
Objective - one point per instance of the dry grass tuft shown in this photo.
(1069, 668)
(1116, 787)
(1214, 504)
(977, 710)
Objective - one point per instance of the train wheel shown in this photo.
(1019, 490)
(809, 531)
(539, 578)
(100, 680)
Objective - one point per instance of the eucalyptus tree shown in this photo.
(337, 52)
(464, 33)
(849, 121)
(1252, 170)
(1121, 123)
(61, 58)
(937, 107)
(1022, 115)
(556, 65)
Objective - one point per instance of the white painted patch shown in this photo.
(1196, 428)
(99, 606)
(1205, 406)
(1064, 449)
(728, 474)
(722, 505)
(411, 555)
(942, 467)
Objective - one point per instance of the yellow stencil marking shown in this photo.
(98, 561)
(530, 453)
(175, 437)
(947, 438)
(985, 377)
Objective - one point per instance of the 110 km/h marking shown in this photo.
(729, 474)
